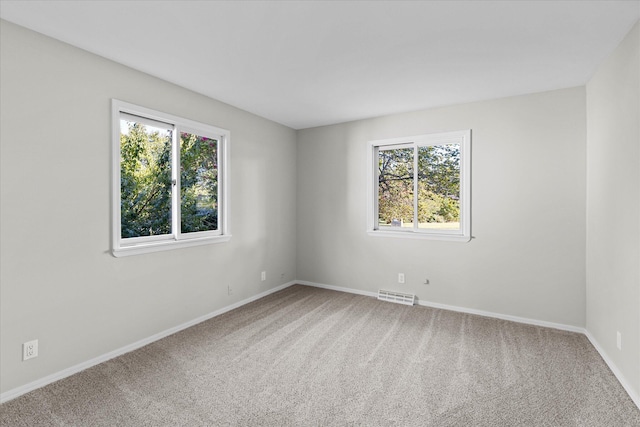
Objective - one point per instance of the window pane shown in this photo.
(395, 187)
(439, 187)
(145, 179)
(198, 183)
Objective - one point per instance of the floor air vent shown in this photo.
(397, 297)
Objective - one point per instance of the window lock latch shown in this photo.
(174, 182)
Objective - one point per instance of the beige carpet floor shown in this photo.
(314, 357)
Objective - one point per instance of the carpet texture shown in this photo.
(314, 357)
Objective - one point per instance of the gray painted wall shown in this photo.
(527, 257)
(59, 282)
(613, 206)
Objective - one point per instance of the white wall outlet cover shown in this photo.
(30, 350)
(400, 277)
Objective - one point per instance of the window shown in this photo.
(419, 187)
(169, 181)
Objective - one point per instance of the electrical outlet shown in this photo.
(619, 340)
(263, 276)
(30, 350)
(229, 290)
(400, 277)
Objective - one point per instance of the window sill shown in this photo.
(166, 245)
(420, 236)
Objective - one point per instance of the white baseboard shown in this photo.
(632, 394)
(423, 303)
(517, 319)
(571, 328)
(19, 391)
(337, 288)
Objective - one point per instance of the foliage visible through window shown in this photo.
(169, 175)
(145, 180)
(199, 183)
(438, 187)
(420, 184)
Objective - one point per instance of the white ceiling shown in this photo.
(311, 63)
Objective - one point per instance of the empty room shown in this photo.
(320, 213)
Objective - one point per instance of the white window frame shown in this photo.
(463, 138)
(145, 244)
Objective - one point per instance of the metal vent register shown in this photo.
(397, 297)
